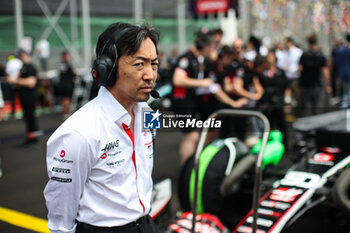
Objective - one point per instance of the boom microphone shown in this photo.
(155, 101)
(155, 94)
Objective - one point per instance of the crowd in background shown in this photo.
(25, 92)
(284, 82)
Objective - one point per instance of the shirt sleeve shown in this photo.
(68, 164)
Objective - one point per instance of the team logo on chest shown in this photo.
(111, 145)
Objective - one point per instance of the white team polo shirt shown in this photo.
(99, 172)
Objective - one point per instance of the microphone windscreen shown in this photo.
(155, 94)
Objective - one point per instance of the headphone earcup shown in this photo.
(105, 70)
(101, 70)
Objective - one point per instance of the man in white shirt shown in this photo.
(13, 67)
(43, 48)
(290, 65)
(100, 160)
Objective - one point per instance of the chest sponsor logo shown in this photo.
(62, 154)
(62, 180)
(149, 149)
(114, 154)
(117, 163)
(61, 170)
(105, 155)
(111, 145)
(62, 160)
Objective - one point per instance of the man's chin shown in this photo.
(143, 97)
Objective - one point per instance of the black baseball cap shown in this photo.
(19, 52)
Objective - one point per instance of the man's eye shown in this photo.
(138, 64)
(155, 66)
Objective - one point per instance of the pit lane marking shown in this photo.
(23, 220)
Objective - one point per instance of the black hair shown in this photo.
(216, 31)
(19, 52)
(202, 40)
(255, 42)
(312, 39)
(127, 44)
(227, 50)
(348, 37)
(259, 60)
(290, 39)
(64, 53)
(121, 39)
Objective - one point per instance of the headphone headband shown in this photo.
(103, 67)
(119, 33)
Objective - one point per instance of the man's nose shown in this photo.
(149, 73)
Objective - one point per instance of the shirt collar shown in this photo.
(114, 109)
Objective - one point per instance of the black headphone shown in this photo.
(104, 70)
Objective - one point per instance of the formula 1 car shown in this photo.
(313, 196)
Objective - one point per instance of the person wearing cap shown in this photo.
(27, 88)
(100, 160)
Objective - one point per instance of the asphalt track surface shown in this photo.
(24, 168)
(24, 171)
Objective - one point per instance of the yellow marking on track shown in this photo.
(23, 220)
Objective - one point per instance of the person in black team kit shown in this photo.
(27, 88)
(275, 83)
(193, 84)
(66, 83)
(229, 72)
(312, 65)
